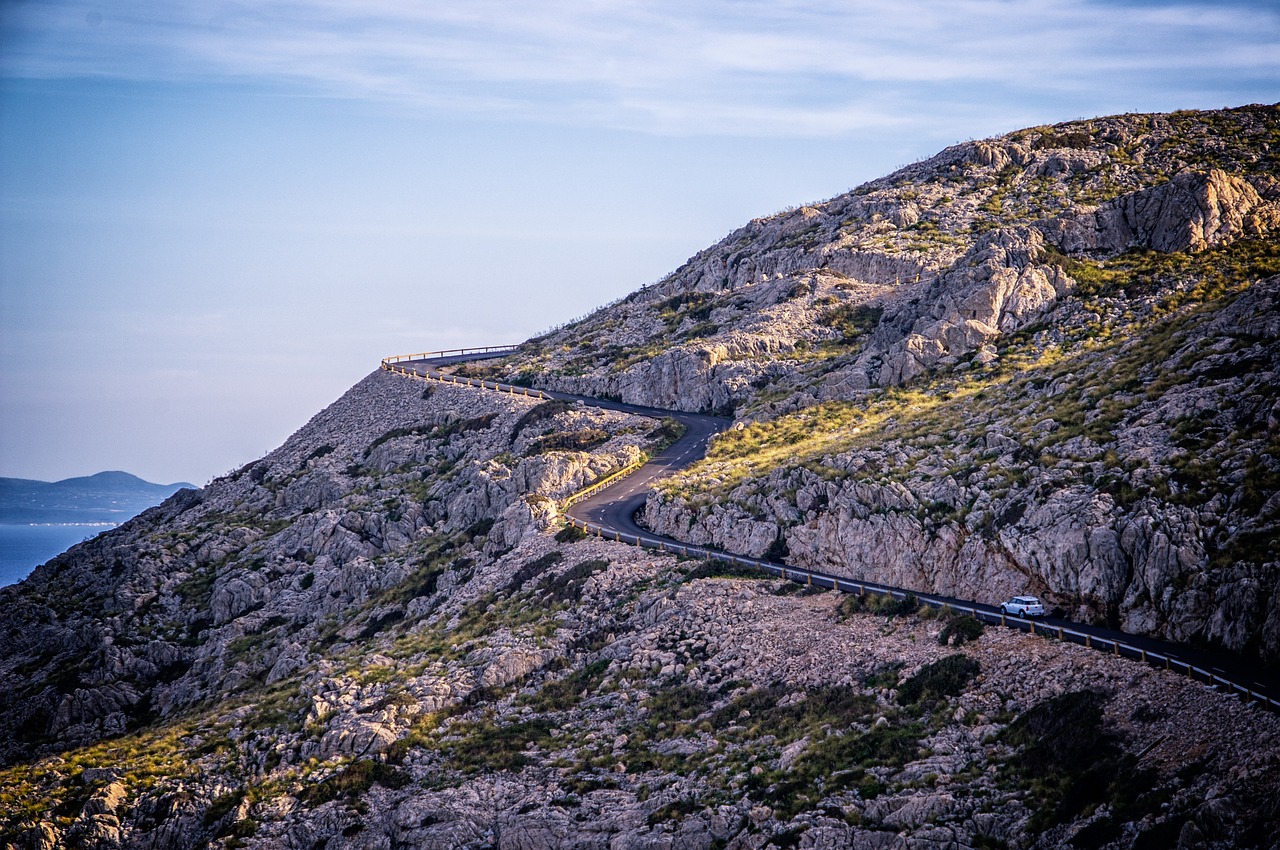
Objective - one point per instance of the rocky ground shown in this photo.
(380, 635)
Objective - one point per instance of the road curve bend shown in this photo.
(609, 511)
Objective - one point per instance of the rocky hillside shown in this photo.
(377, 637)
(923, 269)
(380, 635)
(1046, 362)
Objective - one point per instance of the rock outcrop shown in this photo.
(1193, 211)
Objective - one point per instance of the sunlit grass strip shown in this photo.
(832, 428)
(29, 792)
(819, 431)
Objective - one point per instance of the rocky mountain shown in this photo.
(104, 497)
(1041, 362)
(1045, 362)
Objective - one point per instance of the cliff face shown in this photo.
(1029, 363)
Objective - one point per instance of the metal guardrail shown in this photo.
(843, 585)
(448, 352)
(815, 579)
(441, 377)
(508, 389)
(607, 481)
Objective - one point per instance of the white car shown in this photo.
(1023, 606)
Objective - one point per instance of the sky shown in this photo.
(217, 216)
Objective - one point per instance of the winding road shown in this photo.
(610, 512)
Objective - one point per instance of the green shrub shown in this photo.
(486, 748)
(668, 431)
(716, 568)
(829, 705)
(536, 567)
(852, 322)
(563, 693)
(677, 707)
(1069, 764)
(961, 630)
(1077, 139)
(883, 604)
(222, 806)
(676, 810)
(439, 432)
(570, 534)
(575, 441)
(945, 677)
(352, 781)
(479, 528)
(319, 452)
(1059, 734)
(540, 413)
(567, 586)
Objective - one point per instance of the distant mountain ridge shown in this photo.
(105, 497)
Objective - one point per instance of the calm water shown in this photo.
(25, 547)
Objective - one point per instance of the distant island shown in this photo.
(107, 497)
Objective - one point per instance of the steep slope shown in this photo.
(1045, 362)
(920, 268)
(380, 635)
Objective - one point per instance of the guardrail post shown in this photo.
(1115, 644)
(1059, 632)
(1144, 655)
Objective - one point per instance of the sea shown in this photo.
(25, 547)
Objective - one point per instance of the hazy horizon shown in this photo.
(215, 219)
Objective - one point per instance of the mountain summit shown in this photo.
(1041, 363)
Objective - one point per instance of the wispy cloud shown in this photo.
(803, 67)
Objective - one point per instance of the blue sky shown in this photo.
(215, 217)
